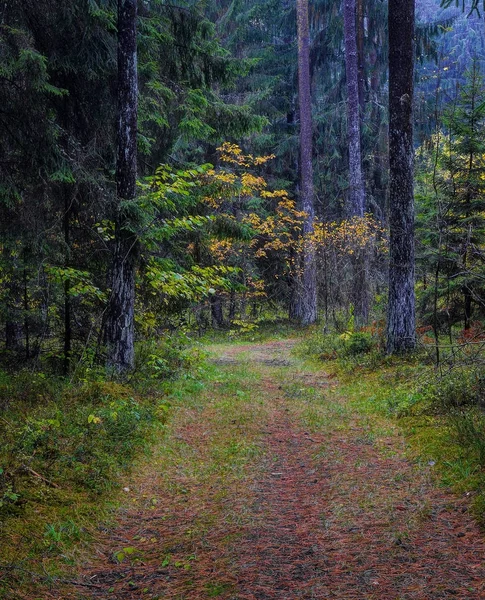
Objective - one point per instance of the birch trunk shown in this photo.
(121, 308)
(401, 320)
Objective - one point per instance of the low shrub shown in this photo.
(356, 343)
(82, 436)
(167, 357)
(469, 426)
(30, 389)
(460, 387)
(332, 346)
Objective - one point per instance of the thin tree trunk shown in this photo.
(356, 201)
(401, 320)
(356, 197)
(13, 320)
(304, 306)
(13, 335)
(467, 294)
(26, 314)
(216, 311)
(67, 286)
(121, 308)
(232, 306)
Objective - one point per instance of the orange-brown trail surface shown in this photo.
(266, 486)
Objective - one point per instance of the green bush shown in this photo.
(82, 435)
(458, 388)
(167, 357)
(321, 346)
(356, 343)
(332, 346)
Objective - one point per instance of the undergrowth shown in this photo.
(67, 446)
(261, 329)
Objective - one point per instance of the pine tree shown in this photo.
(304, 307)
(356, 199)
(120, 322)
(401, 328)
(356, 194)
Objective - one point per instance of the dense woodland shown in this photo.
(258, 183)
(204, 168)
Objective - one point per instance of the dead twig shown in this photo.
(41, 477)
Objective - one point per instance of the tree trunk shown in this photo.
(360, 55)
(13, 335)
(232, 306)
(26, 312)
(216, 311)
(356, 197)
(467, 293)
(13, 308)
(121, 308)
(305, 301)
(401, 320)
(360, 288)
(67, 286)
(356, 200)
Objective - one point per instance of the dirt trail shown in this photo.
(312, 505)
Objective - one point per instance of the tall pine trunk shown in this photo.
(360, 55)
(401, 320)
(121, 308)
(304, 302)
(356, 196)
(356, 201)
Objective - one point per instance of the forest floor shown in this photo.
(270, 484)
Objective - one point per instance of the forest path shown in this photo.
(267, 485)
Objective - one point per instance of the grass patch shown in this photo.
(214, 589)
(263, 329)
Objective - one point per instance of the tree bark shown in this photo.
(401, 320)
(67, 286)
(13, 308)
(121, 308)
(356, 200)
(232, 306)
(360, 55)
(217, 313)
(304, 305)
(26, 312)
(13, 335)
(356, 197)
